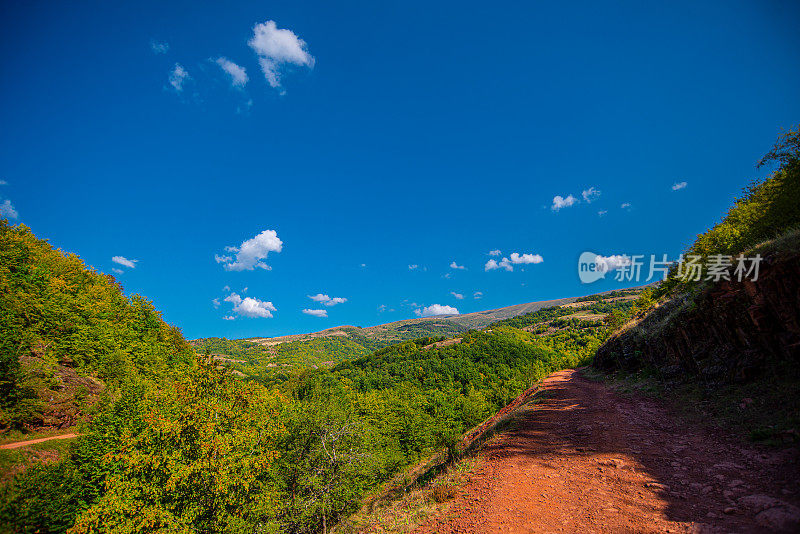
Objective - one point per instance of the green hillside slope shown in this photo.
(63, 325)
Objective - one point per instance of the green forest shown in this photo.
(179, 441)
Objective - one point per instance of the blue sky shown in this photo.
(364, 138)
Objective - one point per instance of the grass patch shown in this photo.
(413, 508)
(15, 461)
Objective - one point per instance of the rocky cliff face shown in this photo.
(729, 332)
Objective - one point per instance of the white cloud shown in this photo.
(226, 288)
(561, 202)
(3, 182)
(159, 47)
(363, 265)
(117, 271)
(495, 252)
(454, 265)
(336, 300)
(477, 295)
(625, 205)
(459, 296)
(251, 253)
(413, 267)
(382, 308)
(122, 260)
(215, 302)
(515, 259)
(677, 186)
(316, 313)
(526, 258)
(436, 309)
(250, 307)
(7, 210)
(502, 264)
(178, 77)
(602, 212)
(327, 300)
(590, 195)
(237, 73)
(229, 318)
(276, 48)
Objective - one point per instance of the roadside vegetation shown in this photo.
(181, 442)
(757, 395)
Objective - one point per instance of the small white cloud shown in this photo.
(477, 295)
(515, 259)
(159, 47)
(677, 186)
(363, 265)
(561, 202)
(495, 252)
(229, 318)
(215, 302)
(7, 210)
(459, 296)
(602, 212)
(3, 182)
(436, 309)
(413, 267)
(178, 77)
(250, 307)
(316, 313)
(327, 300)
(454, 265)
(502, 264)
(382, 308)
(117, 271)
(237, 73)
(276, 48)
(625, 205)
(251, 253)
(226, 288)
(122, 260)
(590, 195)
(526, 258)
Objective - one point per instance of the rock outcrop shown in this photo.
(729, 331)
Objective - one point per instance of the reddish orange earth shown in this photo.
(585, 459)
(19, 444)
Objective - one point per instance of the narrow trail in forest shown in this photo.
(18, 444)
(586, 459)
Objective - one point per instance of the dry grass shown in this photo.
(412, 509)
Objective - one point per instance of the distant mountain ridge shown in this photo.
(408, 328)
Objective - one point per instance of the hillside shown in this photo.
(333, 345)
(68, 331)
(719, 340)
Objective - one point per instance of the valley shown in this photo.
(670, 407)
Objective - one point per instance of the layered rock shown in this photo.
(728, 331)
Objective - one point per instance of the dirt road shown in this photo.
(19, 444)
(585, 459)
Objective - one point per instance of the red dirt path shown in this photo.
(19, 444)
(584, 459)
